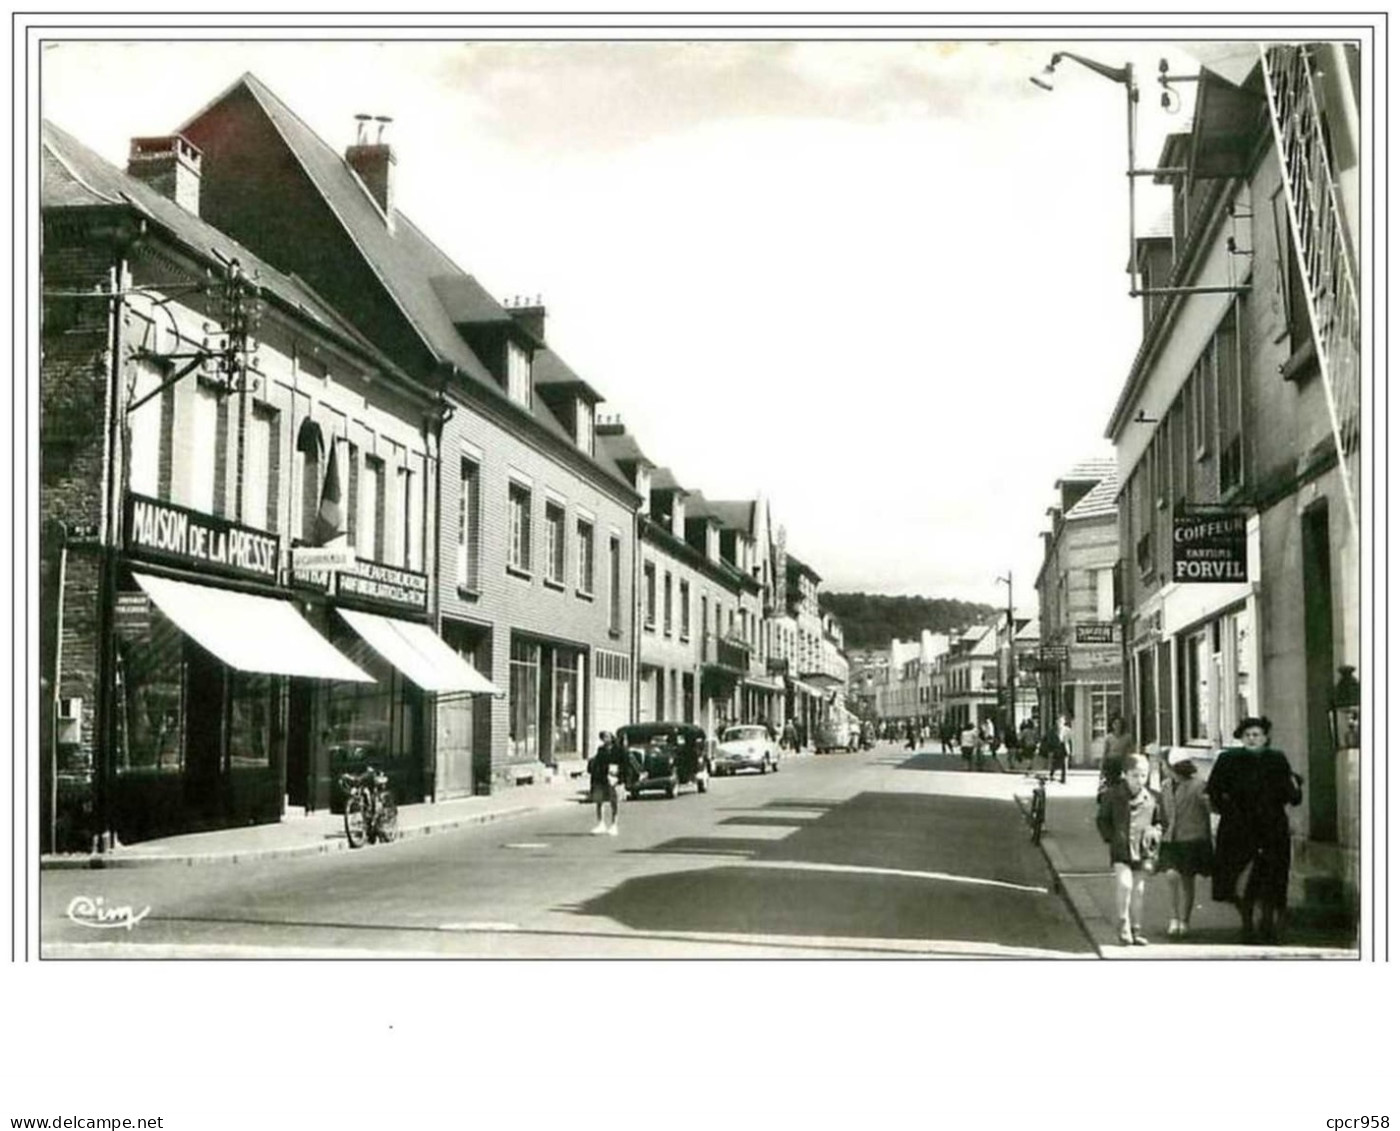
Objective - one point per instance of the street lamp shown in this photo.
(1010, 655)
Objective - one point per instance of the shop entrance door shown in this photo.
(299, 732)
(456, 726)
(204, 735)
(1317, 638)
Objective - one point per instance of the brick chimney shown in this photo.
(373, 162)
(170, 165)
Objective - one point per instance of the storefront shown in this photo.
(376, 614)
(548, 699)
(210, 653)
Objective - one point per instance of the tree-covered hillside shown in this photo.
(872, 620)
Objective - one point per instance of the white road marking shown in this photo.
(857, 869)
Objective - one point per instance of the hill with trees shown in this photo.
(872, 620)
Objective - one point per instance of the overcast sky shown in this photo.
(883, 283)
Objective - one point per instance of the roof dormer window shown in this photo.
(518, 374)
(583, 425)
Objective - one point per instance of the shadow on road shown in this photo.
(881, 865)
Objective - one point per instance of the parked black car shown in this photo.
(665, 756)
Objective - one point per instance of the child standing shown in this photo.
(1129, 820)
(1186, 851)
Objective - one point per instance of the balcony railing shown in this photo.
(728, 652)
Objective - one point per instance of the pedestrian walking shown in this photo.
(1130, 822)
(1117, 746)
(967, 742)
(1067, 737)
(789, 741)
(910, 741)
(601, 786)
(1251, 786)
(1052, 749)
(989, 736)
(946, 734)
(1186, 851)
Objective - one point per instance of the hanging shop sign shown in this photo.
(1094, 633)
(1209, 546)
(380, 584)
(164, 532)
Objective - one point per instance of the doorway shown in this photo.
(1317, 650)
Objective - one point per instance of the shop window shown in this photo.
(251, 711)
(524, 699)
(585, 557)
(469, 527)
(519, 501)
(567, 707)
(1194, 660)
(151, 707)
(554, 543)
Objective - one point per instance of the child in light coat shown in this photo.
(1186, 845)
(1130, 822)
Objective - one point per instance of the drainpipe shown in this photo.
(636, 649)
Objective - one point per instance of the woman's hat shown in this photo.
(1177, 757)
(1259, 721)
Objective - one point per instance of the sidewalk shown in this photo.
(323, 832)
(1079, 859)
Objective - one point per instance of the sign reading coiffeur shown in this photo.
(165, 532)
(1210, 546)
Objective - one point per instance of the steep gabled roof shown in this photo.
(732, 514)
(1100, 502)
(663, 480)
(550, 370)
(621, 447)
(1089, 471)
(432, 293)
(75, 177)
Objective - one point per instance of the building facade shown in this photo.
(1238, 437)
(1081, 637)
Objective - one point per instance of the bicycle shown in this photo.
(371, 814)
(1037, 813)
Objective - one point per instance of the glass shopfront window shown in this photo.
(252, 708)
(372, 723)
(567, 705)
(151, 702)
(524, 699)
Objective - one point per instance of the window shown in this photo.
(371, 521)
(649, 588)
(204, 448)
(585, 556)
(519, 503)
(524, 699)
(518, 374)
(309, 448)
(685, 610)
(1289, 281)
(352, 493)
(666, 623)
(1228, 406)
(566, 721)
(1103, 594)
(554, 543)
(704, 614)
(1205, 403)
(469, 527)
(1195, 661)
(260, 469)
(144, 443)
(615, 584)
(583, 420)
(1181, 453)
(410, 544)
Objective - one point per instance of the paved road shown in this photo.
(879, 854)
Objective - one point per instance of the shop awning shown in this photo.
(763, 683)
(250, 633)
(418, 652)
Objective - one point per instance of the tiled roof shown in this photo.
(429, 289)
(732, 514)
(549, 369)
(794, 563)
(75, 176)
(1089, 470)
(663, 480)
(621, 448)
(1099, 502)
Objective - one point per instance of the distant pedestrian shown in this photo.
(789, 741)
(1052, 749)
(911, 741)
(946, 734)
(967, 742)
(1117, 746)
(601, 786)
(989, 735)
(1130, 822)
(1186, 851)
(1067, 737)
(1251, 786)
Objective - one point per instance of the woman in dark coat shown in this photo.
(1251, 787)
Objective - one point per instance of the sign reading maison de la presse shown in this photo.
(162, 531)
(1209, 546)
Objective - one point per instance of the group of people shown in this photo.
(1251, 786)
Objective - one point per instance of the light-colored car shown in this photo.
(745, 747)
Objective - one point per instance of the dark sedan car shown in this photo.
(665, 756)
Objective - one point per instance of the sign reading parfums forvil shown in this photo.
(161, 531)
(1210, 546)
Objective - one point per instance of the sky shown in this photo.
(882, 283)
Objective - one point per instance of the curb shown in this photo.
(102, 862)
(1055, 861)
